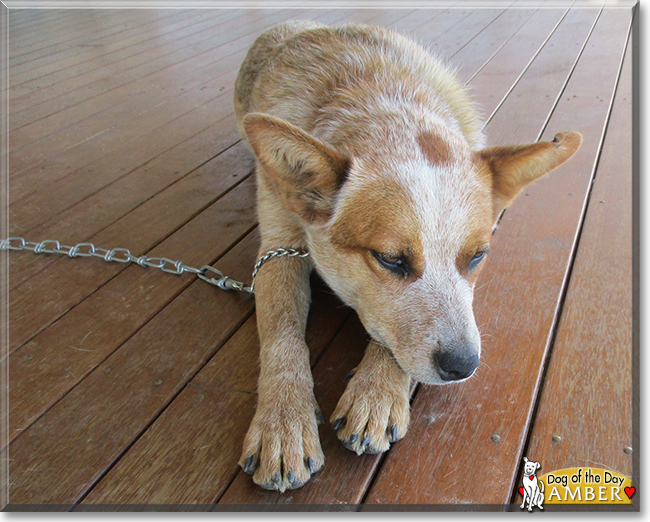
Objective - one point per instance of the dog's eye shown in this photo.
(397, 264)
(478, 257)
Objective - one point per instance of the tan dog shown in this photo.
(370, 156)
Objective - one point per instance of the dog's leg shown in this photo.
(282, 448)
(374, 409)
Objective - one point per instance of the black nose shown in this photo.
(456, 365)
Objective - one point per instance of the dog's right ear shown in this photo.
(306, 172)
(513, 167)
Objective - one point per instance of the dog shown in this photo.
(369, 156)
(533, 488)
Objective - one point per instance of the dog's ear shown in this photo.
(513, 167)
(306, 172)
(537, 465)
(526, 460)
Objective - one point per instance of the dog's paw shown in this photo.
(282, 448)
(373, 411)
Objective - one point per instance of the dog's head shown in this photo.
(530, 467)
(400, 232)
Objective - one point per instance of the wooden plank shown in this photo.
(79, 29)
(38, 365)
(78, 160)
(186, 441)
(31, 312)
(42, 74)
(36, 19)
(50, 200)
(553, 64)
(53, 27)
(456, 36)
(119, 132)
(346, 453)
(471, 57)
(147, 100)
(142, 84)
(163, 59)
(510, 61)
(127, 467)
(110, 408)
(87, 218)
(27, 182)
(82, 384)
(419, 19)
(481, 424)
(56, 360)
(75, 36)
(83, 220)
(586, 398)
(82, 48)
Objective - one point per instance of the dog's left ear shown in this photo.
(306, 172)
(513, 167)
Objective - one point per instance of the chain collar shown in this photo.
(280, 252)
(206, 273)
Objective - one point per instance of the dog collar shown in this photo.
(280, 252)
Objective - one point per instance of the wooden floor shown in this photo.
(132, 386)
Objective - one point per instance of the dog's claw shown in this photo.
(393, 433)
(291, 477)
(365, 441)
(349, 375)
(338, 423)
(354, 438)
(249, 465)
(272, 484)
(319, 417)
(311, 465)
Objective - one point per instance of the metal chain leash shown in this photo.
(206, 273)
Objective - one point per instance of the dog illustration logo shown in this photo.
(533, 489)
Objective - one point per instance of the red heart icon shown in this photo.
(521, 491)
(630, 492)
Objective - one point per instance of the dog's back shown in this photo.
(351, 63)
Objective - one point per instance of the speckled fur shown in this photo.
(365, 142)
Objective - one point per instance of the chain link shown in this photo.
(206, 273)
(280, 252)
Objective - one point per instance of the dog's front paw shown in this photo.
(374, 409)
(282, 449)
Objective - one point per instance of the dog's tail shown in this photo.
(541, 487)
